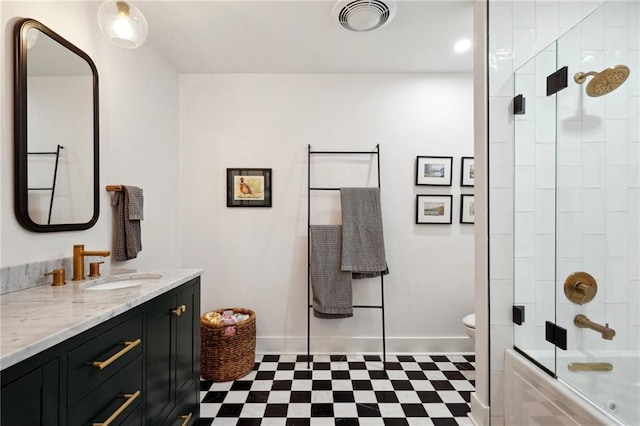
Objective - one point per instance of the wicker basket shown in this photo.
(226, 353)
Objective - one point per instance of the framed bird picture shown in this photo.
(249, 188)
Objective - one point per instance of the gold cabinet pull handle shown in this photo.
(127, 347)
(179, 310)
(187, 419)
(130, 398)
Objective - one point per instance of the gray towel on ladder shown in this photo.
(332, 294)
(128, 205)
(362, 239)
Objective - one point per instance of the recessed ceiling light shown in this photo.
(462, 45)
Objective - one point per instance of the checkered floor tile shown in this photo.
(344, 390)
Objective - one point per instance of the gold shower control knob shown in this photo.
(580, 287)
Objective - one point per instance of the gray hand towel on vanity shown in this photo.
(332, 297)
(128, 204)
(362, 239)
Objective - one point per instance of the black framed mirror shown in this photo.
(56, 136)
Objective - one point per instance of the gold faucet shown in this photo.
(583, 322)
(79, 254)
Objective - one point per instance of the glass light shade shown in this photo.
(122, 23)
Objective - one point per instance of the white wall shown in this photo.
(256, 258)
(480, 412)
(2, 114)
(139, 140)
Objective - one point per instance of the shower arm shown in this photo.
(581, 77)
(583, 322)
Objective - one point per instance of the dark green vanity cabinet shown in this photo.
(32, 399)
(173, 359)
(138, 368)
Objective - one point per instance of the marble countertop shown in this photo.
(38, 318)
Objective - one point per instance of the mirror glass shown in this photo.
(56, 132)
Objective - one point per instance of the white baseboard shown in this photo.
(363, 345)
(480, 414)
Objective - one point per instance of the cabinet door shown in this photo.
(188, 340)
(32, 400)
(187, 410)
(160, 359)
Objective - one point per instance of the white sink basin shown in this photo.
(115, 282)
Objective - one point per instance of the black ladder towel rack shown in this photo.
(310, 188)
(55, 177)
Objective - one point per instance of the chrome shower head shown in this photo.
(603, 82)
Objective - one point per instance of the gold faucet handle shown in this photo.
(586, 289)
(94, 269)
(58, 277)
(580, 287)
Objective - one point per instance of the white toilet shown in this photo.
(470, 325)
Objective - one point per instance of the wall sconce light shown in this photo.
(122, 23)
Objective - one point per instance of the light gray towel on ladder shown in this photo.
(128, 205)
(362, 238)
(332, 294)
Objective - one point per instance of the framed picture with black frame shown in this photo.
(433, 209)
(467, 172)
(249, 187)
(433, 171)
(467, 209)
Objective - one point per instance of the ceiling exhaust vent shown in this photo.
(364, 15)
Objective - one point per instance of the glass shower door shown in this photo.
(577, 210)
(534, 208)
(597, 211)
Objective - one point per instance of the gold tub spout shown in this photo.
(583, 322)
(79, 253)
